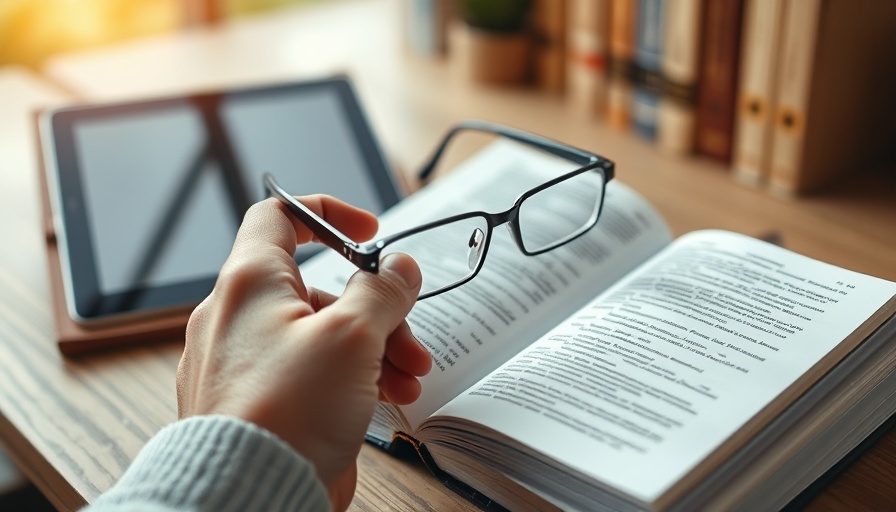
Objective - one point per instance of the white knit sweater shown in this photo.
(215, 463)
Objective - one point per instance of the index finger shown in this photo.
(269, 221)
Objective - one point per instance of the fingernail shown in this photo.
(404, 267)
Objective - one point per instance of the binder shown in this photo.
(648, 79)
(677, 114)
(717, 94)
(587, 45)
(549, 28)
(622, 49)
(760, 43)
(836, 73)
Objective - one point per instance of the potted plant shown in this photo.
(498, 40)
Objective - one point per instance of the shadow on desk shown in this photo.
(26, 498)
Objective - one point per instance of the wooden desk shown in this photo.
(74, 425)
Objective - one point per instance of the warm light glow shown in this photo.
(33, 30)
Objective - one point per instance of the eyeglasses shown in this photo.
(452, 250)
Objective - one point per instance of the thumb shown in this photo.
(382, 301)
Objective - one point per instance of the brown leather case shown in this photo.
(73, 337)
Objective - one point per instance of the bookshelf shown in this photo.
(434, 94)
(762, 86)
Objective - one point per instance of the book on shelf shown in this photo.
(587, 47)
(619, 72)
(549, 22)
(760, 47)
(425, 26)
(716, 98)
(630, 370)
(836, 74)
(647, 77)
(676, 112)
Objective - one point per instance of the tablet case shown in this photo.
(72, 337)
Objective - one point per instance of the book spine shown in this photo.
(676, 112)
(717, 95)
(549, 28)
(425, 26)
(798, 43)
(760, 42)
(836, 124)
(622, 50)
(647, 79)
(587, 47)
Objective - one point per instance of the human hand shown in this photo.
(299, 362)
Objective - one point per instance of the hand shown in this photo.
(299, 362)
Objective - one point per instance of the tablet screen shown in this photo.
(152, 193)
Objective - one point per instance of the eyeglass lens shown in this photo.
(446, 254)
(552, 216)
(452, 252)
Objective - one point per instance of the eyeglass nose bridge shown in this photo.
(510, 217)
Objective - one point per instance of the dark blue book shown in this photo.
(647, 82)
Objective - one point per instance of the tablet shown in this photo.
(147, 196)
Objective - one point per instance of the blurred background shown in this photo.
(31, 31)
(690, 77)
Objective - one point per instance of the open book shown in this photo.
(627, 370)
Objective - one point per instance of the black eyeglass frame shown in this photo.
(366, 255)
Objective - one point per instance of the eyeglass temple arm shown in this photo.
(323, 230)
(579, 156)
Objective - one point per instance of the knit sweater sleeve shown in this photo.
(215, 463)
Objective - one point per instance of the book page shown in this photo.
(642, 384)
(515, 298)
